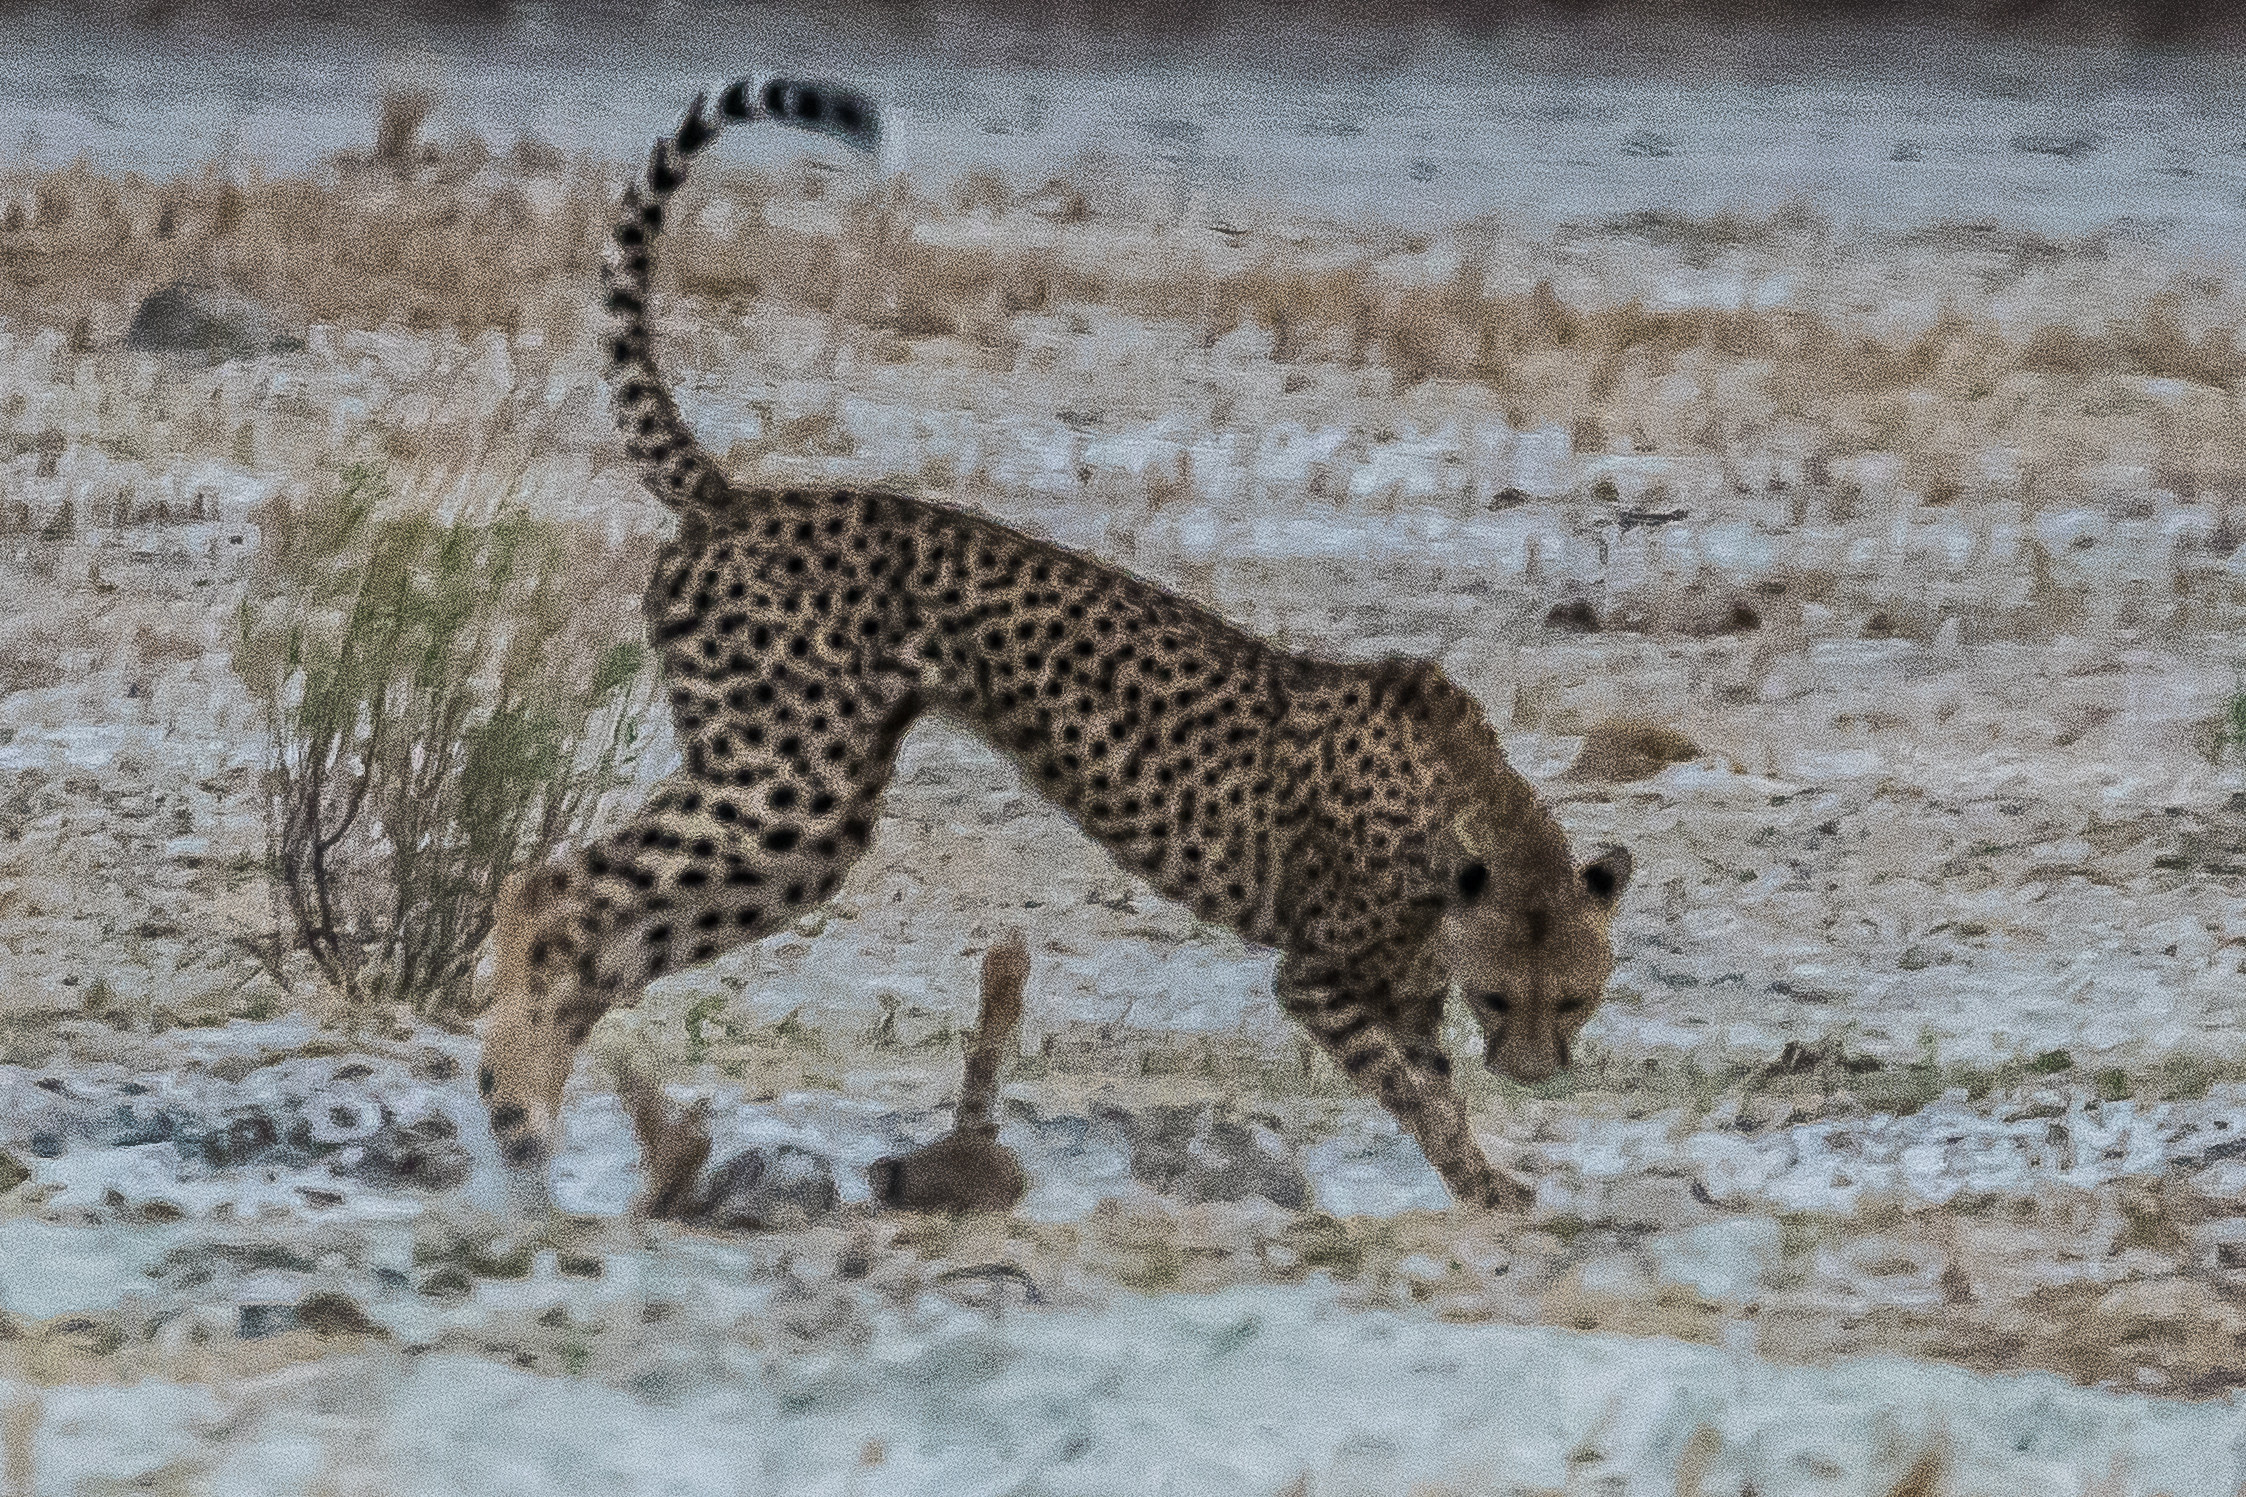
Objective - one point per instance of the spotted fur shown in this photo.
(1361, 818)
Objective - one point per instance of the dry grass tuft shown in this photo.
(397, 131)
(674, 1143)
(453, 235)
(1925, 1478)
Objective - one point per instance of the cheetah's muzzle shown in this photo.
(1358, 816)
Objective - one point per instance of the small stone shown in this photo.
(85, 1333)
(245, 1135)
(1574, 616)
(1205, 1152)
(502, 1262)
(1624, 749)
(965, 1170)
(13, 1172)
(255, 1321)
(329, 1313)
(427, 1154)
(233, 1068)
(450, 1282)
(185, 317)
(764, 1191)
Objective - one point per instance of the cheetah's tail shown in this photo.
(672, 461)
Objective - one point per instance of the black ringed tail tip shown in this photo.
(672, 463)
(830, 108)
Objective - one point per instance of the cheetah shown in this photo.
(1360, 818)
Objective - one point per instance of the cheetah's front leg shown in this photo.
(1410, 1076)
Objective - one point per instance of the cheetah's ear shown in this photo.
(1414, 689)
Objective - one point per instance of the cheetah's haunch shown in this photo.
(1361, 818)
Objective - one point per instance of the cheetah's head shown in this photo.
(527, 1046)
(1528, 947)
(1524, 929)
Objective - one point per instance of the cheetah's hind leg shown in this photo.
(682, 883)
(968, 1169)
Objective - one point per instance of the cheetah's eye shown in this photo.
(1608, 875)
(1472, 880)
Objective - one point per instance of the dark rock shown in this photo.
(265, 1320)
(13, 1172)
(200, 1263)
(1625, 749)
(449, 1282)
(86, 1333)
(1205, 1152)
(763, 1189)
(129, 1124)
(499, 1259)
(965, 1170)
(336, 1120)
(2067, 146)
(328, 1313)
(427, 1154)
(1574, 616)
(246, 1135)
(189, 318)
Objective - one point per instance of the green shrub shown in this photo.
(443, 701)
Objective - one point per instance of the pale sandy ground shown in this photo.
(1912, 1124)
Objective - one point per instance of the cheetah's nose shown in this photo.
(1525, 1061)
